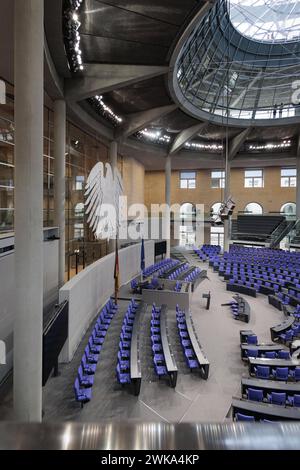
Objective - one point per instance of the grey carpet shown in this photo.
(194, 399)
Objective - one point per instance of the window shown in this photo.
(289, 208)
(79, 209)
(187, 211)
(217, 236)
(288, 178)
(218, 179)
(254, 179)
(78, 231)
(79, 181)
(254, 208)
(188, 180)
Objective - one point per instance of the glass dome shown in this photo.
(230, 70)
(266, 20)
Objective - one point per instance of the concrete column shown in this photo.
(298, 180)
(59, 181)
(168, 175)
(113, 156)
(28, 326)
(227, 224)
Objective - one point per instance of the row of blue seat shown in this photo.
(178, 286)
(276, 398)
(160, 267)
(193, 275)
(207, 252)
(185, 341)
(123, 363)
(85, 374)
(156, 344)
(279, 373)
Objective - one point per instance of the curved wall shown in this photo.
(90, 289)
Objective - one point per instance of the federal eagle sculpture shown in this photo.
(103, 192)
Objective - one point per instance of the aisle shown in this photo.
(219, 336)
(194, 399)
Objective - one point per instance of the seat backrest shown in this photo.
(254, 394)
(263, 371)
(279, 398)
(282, 371)
(283, 354)
(270, 354)
(252, 339)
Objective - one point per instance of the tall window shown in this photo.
(188, 180)
(217, 236)
(254, 179)
(218, 179)
(79, 181)
(254, 208)
(288, 178)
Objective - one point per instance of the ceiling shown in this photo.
(122, 33)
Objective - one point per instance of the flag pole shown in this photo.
(142, 258)
(116, 271)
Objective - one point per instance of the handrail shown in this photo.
(149, 436)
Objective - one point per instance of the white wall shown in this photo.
(91, 288)
(7, 292)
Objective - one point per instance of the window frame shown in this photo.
(253, 178)
(219, 179)
(288, 178)
(190, 182)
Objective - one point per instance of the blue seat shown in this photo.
(156, 347)
(241, 417)
(98, 341)
(155, 330)
(294, 401)
(251, 353)
(255, 395)
(85, 380)
(123, 377)
(277, 398)
(252, 339)
(88, 369)
(262, 372)
(286, 337)
(158, 358)
(192, 363)
(156, 338)
(94, 348)
(183, 334)
(91, 357)
(160, 370)
(283, 354)
(295, 374)
(281, 373)
(83, 395)
(185, 343)
(99, 333)
(269, 355)
(189, 353)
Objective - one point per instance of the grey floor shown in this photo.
(194, 399)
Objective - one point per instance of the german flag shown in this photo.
(116, 272)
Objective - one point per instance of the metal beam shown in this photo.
(184, 136)
(237, 142)
(102, 78)
(138, 121)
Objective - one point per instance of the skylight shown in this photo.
(266, 20)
